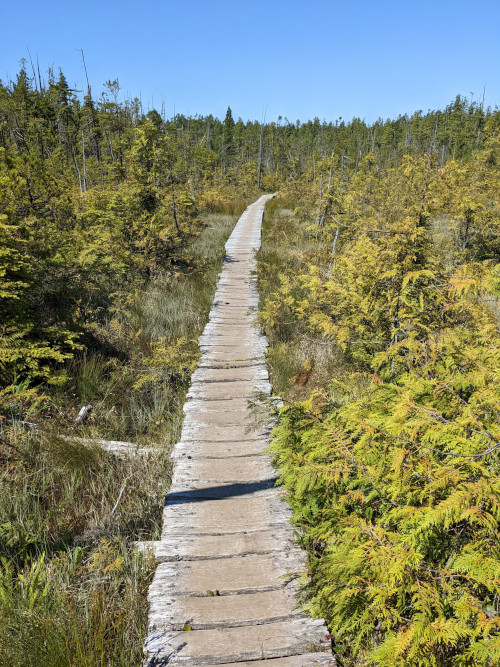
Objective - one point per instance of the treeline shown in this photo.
(385, 336)
(92, 135)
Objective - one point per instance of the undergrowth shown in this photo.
(72, 584)
(380, 302)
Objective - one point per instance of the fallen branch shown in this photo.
(29, 425)
(83, 414)
(116, 447)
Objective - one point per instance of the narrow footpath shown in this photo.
(224, 592)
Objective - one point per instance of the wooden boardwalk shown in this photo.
(220, 593)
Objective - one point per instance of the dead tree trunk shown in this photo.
(259, 166)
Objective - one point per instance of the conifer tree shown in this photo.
(228, 147)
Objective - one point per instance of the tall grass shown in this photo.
(176, 303)
(72, 585)
(72, 588)
(76, 608)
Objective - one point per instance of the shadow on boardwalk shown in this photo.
(219, 492)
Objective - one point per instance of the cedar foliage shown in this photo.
(392, 466)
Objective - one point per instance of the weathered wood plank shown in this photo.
(224, 591)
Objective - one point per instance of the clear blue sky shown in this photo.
(365, 58)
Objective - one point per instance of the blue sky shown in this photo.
(365, 58)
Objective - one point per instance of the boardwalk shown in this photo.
(220, 593)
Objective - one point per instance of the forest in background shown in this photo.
(385, 239)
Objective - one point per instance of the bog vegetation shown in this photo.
(385, 345)
(112, 232)
(379, 285)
